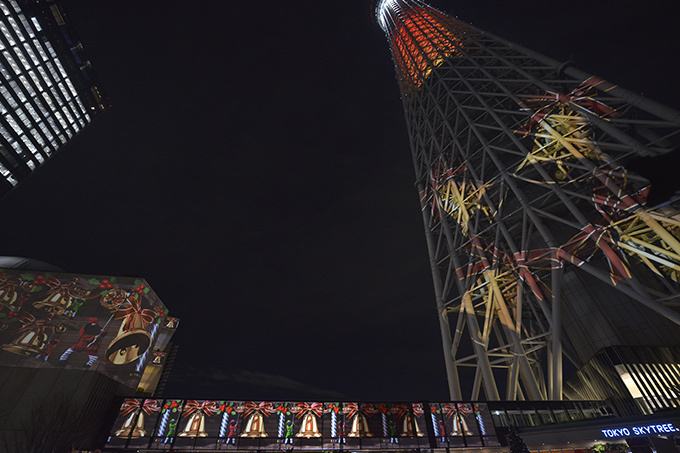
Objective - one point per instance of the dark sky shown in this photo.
(255, 169)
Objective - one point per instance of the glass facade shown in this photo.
(635, 380)
(40, 106)
(527, 414)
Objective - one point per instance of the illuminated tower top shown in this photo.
(421, 37)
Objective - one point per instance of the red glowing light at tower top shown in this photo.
(422, 38)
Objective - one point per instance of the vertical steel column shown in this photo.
(447, 346)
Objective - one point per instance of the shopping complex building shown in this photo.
(72, 345)
(220, 425)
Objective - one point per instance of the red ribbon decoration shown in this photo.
(30, 323)
(538, 258)
(207, 407)
(400, 410)
(448, 409)
(303, 408)
(352, 409)
(10, 284)
(578, 250)
(610, 198)
(131, 405)
(10, 288)
(368, 409)
(132, 306)
(581, 96)
(64, 289)
(464, 409)
(265, 407)
(584, 245)
(485, 254)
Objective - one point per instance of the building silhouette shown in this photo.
(48, 93)
(548, 264)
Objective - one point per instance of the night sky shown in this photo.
(255, 169)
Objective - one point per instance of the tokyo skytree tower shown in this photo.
(542, 247)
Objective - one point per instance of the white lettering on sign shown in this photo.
(640, 430)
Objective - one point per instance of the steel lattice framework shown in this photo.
(526, 203)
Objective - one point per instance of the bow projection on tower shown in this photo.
(541, 244)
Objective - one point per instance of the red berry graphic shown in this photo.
(106, 282)
(102, 286)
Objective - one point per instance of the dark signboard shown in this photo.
(54, 320)
(276, 425)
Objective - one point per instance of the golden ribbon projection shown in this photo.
(134, 410)
(653, 236)
(494, 291)
(457, 195)
(562, 135)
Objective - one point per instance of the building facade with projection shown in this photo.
(77, 341)
(49, 91)
(225, 425)
(545, 254)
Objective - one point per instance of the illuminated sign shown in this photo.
(641, 430)
(164, 424)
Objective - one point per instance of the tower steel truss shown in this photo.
(527, 206)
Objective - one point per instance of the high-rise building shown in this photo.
(48, 93)
(546, 259)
